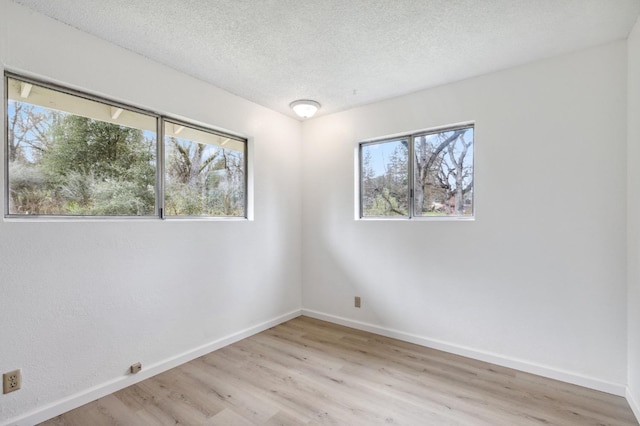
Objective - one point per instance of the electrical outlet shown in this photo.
(11, 381)
(357, 302)
(135, 368)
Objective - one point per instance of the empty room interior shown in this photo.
(452, 238)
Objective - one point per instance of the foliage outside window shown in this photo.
(71, 155)
(423, 175)
(204, 172)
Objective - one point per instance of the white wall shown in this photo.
(538, 280)
(633, 217)
(81, 301)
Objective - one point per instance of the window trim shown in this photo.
(160, 160)
(411, 137)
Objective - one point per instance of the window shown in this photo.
(421, 175)
(70, 154)
(204, 172)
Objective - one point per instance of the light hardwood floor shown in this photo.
(308, 371)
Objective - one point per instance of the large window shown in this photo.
(421, 175)
(70, 154)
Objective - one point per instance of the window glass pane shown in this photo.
(204, 173)
(68, 155)
(443, 173)
(384, 178)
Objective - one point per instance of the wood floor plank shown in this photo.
(244, 398)
(311, 372)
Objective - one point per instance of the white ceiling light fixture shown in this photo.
(305, 108)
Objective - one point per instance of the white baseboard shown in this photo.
(634, 403)
(74, 401)
(540, 370)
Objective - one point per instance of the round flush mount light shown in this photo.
(305, 108)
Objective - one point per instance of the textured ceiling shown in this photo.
(343, 53)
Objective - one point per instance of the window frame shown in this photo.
(411, 178)
(163, 194)
(159, 209)
(400, 138)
